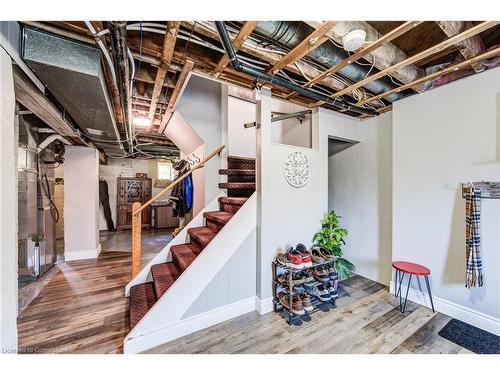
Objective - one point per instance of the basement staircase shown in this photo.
(240, 186)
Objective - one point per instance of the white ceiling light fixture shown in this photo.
(141, 121)
(354, 40)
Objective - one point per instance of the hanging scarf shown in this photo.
(474, 270)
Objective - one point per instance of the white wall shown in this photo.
(285, 215)
(441, 138)
(201, 107)
(8, 208)
(241, 141)
(112, 170)
(81, 203)
(360, 191)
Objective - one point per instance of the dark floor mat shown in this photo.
(470, 337)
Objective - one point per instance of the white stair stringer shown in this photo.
(164, 255)
(160, 322)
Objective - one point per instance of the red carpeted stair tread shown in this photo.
(247, 172)
(220, 217)
(235, 201)
(164, 275)
(240, 163)
(202, 235)
(184, 255)
(237, 185)
(142, 298)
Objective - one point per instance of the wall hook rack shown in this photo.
(489, 189)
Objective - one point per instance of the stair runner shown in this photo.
(240, 185)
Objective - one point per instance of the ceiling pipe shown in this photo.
(338, 103)
(119, 49)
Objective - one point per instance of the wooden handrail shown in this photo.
(137, 209)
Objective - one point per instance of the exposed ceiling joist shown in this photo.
(238, 41)
(188, 66)
(381, 58)
(419, 56)
(470, 47)
(166, 58)
(452, 68)
(314, 40)
(393, 34)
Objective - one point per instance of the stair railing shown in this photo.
(137, 209)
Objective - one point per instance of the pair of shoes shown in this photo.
(333, 288)
(300, 303)
(297, 279)
(321, 274)
(308, 278)
(320, 255)
(332, 273)
(320, 291)
(297, 258)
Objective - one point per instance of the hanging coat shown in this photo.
(178, 194)
(188, 186)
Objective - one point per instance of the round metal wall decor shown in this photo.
(297, 169)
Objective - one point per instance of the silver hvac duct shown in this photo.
(289, 34)
(72, 72)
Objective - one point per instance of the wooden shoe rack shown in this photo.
(280, 270)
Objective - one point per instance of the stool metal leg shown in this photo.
(429, 291)
(406, 298)
(401, 278)
(396, 283)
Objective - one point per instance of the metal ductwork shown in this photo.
(119, 49)
(289, 34)
(73, 73)
(240, 66)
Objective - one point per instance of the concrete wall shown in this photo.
(360, 191)
(441, 138)
(8, 204)
(81, 203)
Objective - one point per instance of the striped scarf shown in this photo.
(473, 238)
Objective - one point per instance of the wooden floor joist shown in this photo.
(188, 66)
(452, 68)
(238, 41)
(314, 40)
(415, 58)
(166, 58)
(393, 34)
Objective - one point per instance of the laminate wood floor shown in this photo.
(366, 320)
(83, 310)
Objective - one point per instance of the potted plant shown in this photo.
(331, 238)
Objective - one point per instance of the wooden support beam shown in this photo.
(245, 31)
(314, 40)
(452, 68)
(36, 102)
(391, 35)
(166, 58)
(469, 47)
(188, 66)
(415, 58)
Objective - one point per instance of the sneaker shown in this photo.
(306, 257)
(321, 275)
(316, 256)
(318, 290)
(297, 279)
(298, 289)
(332, 273)
(290, 260)
(306, 302)
(297, 307)
(309, 280)
(326, 254)
(331, 287)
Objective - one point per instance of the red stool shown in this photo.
(411, 269)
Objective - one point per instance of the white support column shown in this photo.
(8, 208)
(81, 203)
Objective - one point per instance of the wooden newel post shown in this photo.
(136, 239)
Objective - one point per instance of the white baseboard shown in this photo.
(82, 254)
(465, 314)
(263, 306)
(189, 325)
